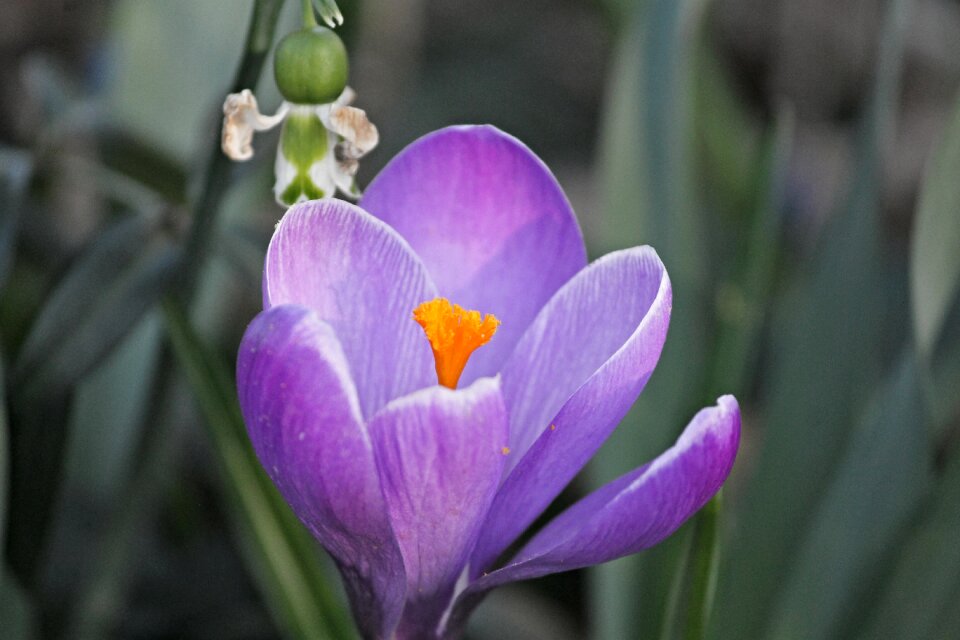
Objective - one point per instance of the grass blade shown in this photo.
(925, 581)
(17, 167)
(113, 284)
(843, 555)
(824, 362)
(934, 258)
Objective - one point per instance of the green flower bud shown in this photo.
(310, 66)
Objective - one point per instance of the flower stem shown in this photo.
(309, 18)
(695, 577)
(96, 608)
(216, 178)
(704, 568)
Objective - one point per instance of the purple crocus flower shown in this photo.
(416, 488)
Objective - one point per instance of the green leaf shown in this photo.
(283, 555)
(98, 602)
(943, 374)
(4, 454)
(934, 253)
(924, 585)
(824, 360)
(124, 152)
(9, 594)
(108, 290)
(16, 611)
(878, 486)
(728, 140)
(37, 439)
(743, 302)
(14, 178)
(694, 581)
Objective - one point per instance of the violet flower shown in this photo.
(417, 489)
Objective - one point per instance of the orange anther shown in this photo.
(454, 333)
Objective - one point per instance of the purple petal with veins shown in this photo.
(416, 489)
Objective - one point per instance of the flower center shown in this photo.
(454, 333)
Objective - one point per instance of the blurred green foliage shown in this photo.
(131, 504)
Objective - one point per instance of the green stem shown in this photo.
(692, 588)
(704, 568)
(95, 608)
(309, 18)
(216, 177)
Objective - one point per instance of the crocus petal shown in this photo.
(303, 417)
(572, 378)
(364, 281)
(439, 453)
(489, 221)
(633, 512)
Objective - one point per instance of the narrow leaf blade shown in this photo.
(825, 358)
(851, 534)
(925, 582)
(934, 254)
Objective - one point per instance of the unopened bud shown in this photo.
(310, 66)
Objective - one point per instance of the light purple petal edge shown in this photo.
(638, 510)
(587, 357)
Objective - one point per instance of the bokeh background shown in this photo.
(796, 165)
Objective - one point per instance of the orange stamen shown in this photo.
(454, 333)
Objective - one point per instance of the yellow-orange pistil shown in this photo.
(454, 333)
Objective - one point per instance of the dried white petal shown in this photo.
(352, 136)
(359, 135)
(241, 117)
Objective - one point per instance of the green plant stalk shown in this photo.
(309, 18)
(92, 614)
(300, 596)
(4, 458)
(705, 565)
(694, 582)
(671, 621)
(216, 177)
